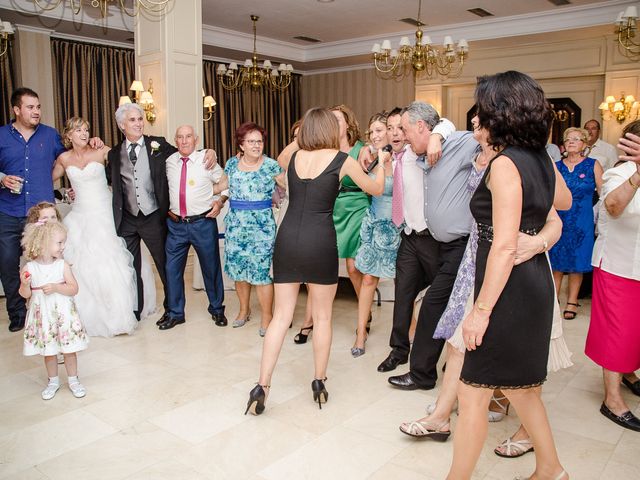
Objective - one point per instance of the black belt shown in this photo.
(175, 218)
(344, 189)
(421, 233)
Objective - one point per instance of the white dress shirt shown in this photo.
(199, 187)
(413, 183)
(605, 153)
(617, 248)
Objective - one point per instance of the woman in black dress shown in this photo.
(508, 341)
(306, 247)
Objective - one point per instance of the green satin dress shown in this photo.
(350, 208)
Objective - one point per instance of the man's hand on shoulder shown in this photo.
(96, 143)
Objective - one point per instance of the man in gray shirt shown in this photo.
(439, 248)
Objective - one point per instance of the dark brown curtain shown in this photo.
(8, 79)
(88, 81)
(273, 110)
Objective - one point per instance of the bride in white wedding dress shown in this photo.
(100, 261)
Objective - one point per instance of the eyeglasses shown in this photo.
(573, 139)
(253, 142)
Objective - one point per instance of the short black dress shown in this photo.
(306, 248)
(515, 347)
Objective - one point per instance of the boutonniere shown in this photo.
(155, 147)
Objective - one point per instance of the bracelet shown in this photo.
(545, 244)
(633, 184)
(482, 307)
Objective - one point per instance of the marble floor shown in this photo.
(170, 404)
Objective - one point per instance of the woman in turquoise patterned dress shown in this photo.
(572, 253)
(379, 239)
(250, 229)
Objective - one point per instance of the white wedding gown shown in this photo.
(100, 261)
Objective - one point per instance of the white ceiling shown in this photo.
(347, 28)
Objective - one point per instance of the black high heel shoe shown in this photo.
(320, 393)
(257, 396)
(300, 337)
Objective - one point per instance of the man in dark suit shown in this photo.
(136, 171)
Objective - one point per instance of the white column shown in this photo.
(169, 51)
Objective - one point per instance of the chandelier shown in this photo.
(422, 58)
(148, 6)
(626, 108)
(254, 75)
(626, 27)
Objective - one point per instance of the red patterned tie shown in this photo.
(183, 187)
(397, 215)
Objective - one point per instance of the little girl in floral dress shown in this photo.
(52, 324)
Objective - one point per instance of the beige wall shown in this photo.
(361, 90)
(580, 64)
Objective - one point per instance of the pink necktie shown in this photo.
(396, 200)
(183, 187)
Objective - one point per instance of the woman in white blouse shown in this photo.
(613, 341)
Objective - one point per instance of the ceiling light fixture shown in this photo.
(6, 29)
(254, 75)
(148, 6)
(626, 108)
(422, 58)
(626, 28)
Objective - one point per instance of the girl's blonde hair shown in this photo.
(34, 212)
(70, 126)
(37, 238)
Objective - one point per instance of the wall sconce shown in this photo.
(209, 104)
(6, 29)
(625, 108)
(142, 97)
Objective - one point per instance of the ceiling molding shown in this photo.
(490, 28)
(554, 19)
(222, 37)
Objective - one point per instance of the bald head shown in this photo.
(186, 140)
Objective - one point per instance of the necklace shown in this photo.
(250, 165)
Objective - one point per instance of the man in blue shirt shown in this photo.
(28, 151)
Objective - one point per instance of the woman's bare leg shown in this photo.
(365, 299)
(557, 280)
(286, 295)
(528, 404)
(354, 274)
(265, 297)
(471, 430)
(322, 306)
(243, 290)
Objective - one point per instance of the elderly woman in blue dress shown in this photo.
(572, 254)
(379, 238)
(250, 229)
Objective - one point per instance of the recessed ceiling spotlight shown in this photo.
(325, 1)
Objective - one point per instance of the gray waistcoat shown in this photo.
(138, 186)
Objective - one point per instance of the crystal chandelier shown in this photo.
(626, 27)
(422, 58)
(254, 75)
(148, 6)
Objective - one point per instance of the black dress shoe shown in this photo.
(219, 319)
(634, 387)
(391, 363)
(17, 325)
(626, 420)
(164, 316)
(405, 382)
(170, 323)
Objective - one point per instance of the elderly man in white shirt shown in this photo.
(602, 151)
(191, 222)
